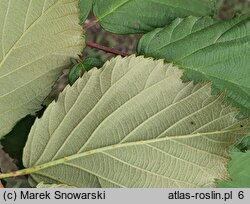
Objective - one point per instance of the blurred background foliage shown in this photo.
(229, 8)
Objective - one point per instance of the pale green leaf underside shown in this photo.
(207, 50)
(44, 185)
(141, 16)
(133, 123)
(37, 39)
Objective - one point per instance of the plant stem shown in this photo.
(89, 24)
(31, 170)
(17, 173)
(105, 49)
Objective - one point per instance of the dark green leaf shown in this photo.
(78, 69)
(239, 170)
(91, 62)
(85, 7)
(14, 142)
(243, 145)
(141, 16)
(207, 50)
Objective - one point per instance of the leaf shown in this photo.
(75, 72)
(78, 69)
(91, 62)
(141, 16)
(43, 185)
(37, 39)
(133, 123)
(239, 165)
(85, 7)
(239, 168)
(242, 146)
(207, 50)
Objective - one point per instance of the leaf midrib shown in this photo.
(117, 146)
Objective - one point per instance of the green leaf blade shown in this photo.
(239, 165)
(37, 40)
(239, 168)
(133, 123)
(141, 16)
(207, 50)
(77, 70)
(85, 7)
